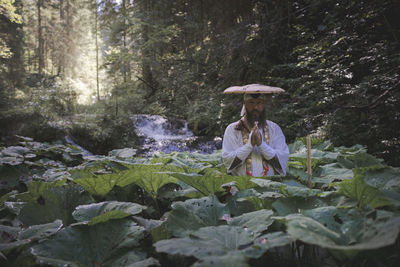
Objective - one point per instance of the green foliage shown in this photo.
(365, 194)
(193, 214)
(113, 243)
(124, 210)
(358, 234)
(102, 132)
(104, 211)
(146, 176)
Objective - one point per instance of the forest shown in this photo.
(76, 74)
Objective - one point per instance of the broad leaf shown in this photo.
(355, 235)
(46, 202)
(193, 214)
(207, 242)
(287, 188)
(257, 221)
(358, 160)
(149, 177)
(211, 182)
(92, 245)
(266, 242)
(333, 171)
(104, 211)
(15, 237)
(363, 193)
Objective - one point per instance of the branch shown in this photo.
(153, 89)
(376, 101)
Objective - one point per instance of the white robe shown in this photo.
(232, 147)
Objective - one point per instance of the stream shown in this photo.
(160, 134)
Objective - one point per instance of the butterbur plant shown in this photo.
(184, 209)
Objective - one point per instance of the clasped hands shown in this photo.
(256, 138)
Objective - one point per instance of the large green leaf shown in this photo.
(223, 245)
(187, 162)
(104, 211)
(266, 242)
(12, 175)
(257, 221)
(386, 179)
(15, 237)
(152, 182)
(358, 234)
(93, 245)
(149, 177)
(208, 241)
(46, 202)
(319, 154)
(363, 193)
(211, 182)
(287, 188)
(193, 214)
(358, 160)
(332, 172)
(290, 205)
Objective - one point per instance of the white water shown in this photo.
(159, 128)
(157, 133)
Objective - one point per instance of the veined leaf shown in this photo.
(16, 237)
(195, 213)
(287, 188)
(365, 194)
(364, 233)
(149, 177)
(256, 221)
(266, 242)
(334, 171)
(386, 179)
(104, 211)
(189, 161)
(358, 160)
(152, 182)
(46, 202)
(90, 245)
(211, 182)
(207, 242)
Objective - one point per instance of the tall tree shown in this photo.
(96, 36)
(40, 47)
(11, 51)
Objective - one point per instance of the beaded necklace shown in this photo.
(245, 136)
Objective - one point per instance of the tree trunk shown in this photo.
(40, 39)
(146, 57)
(60, 68)
(96, 15)
(67, 44)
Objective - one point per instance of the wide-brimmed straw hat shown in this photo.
(253, 89)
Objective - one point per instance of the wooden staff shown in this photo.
(309, 169)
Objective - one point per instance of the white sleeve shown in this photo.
(277, 146)
(266, 150)
(232, 147)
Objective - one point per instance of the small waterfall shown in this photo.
(158, 133)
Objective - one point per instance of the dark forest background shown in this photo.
(82, 68)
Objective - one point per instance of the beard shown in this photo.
(254, 116)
